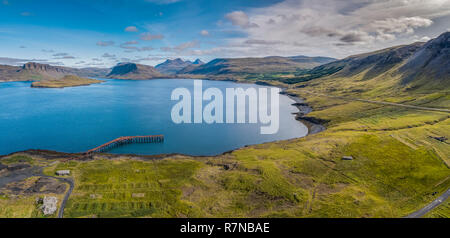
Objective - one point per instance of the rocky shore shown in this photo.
(313, 124)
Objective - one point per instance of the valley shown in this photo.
(384, 153)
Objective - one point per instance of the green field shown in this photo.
(398, 164)
(443, 211)
(395, 171)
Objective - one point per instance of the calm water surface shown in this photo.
(80, 118)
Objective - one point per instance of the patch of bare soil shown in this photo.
(16, 172)
(298, 179)
(327, 188)
(187, 191)
(263, 203)
(37, 185)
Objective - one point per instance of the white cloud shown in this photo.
(148, 37)
(387, 28)
(424, 39)
(105, 43)
(133, 42)
(131, 29)
(107, 55)
(15, 61)
(330, 27)
(355, 37)
(239, 18)
(63, 56)
(163, 1)
(181, 47)
(262, 42)
(130, 47)
(204, 33)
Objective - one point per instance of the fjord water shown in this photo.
(80, 118)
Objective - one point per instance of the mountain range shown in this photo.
(172, 67)
(35, 71)
(271, 64)
(421, 64)
(134, 71)
(420, 67)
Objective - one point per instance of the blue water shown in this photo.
(80, 118)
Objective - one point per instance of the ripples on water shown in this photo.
(81, 118)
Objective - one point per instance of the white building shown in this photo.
(49, 205)
(63, 172)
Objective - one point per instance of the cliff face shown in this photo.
(421, 67)
(43, 68)
(123, 69)
(374, 63)
(35, 71)
(59, 71)
(431, 61)
(134, 71)
(418, 65)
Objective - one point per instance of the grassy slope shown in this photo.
(443, 211)
(397, 165)
(395, 171)
(390, 176)
(24, 204)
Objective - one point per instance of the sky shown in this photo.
(102, 33)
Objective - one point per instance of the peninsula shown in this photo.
(64, 82)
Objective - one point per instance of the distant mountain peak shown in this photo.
(198, 62)
(254, 65)
(127, 70)
(173, 66)
(411, 67)
(32, 71)
(432, 60)
(41, 67)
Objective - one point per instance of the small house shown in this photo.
(63, 172)
(347, 157)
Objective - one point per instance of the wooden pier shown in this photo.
(127, 140)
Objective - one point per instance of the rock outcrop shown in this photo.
(134, 71)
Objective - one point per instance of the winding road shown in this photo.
(438, 201)
(66, 197)
(380, 102)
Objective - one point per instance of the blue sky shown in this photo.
(102, 33)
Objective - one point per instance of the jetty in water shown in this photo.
(125, 140)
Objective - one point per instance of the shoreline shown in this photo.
(62, 87)
(313, 125)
